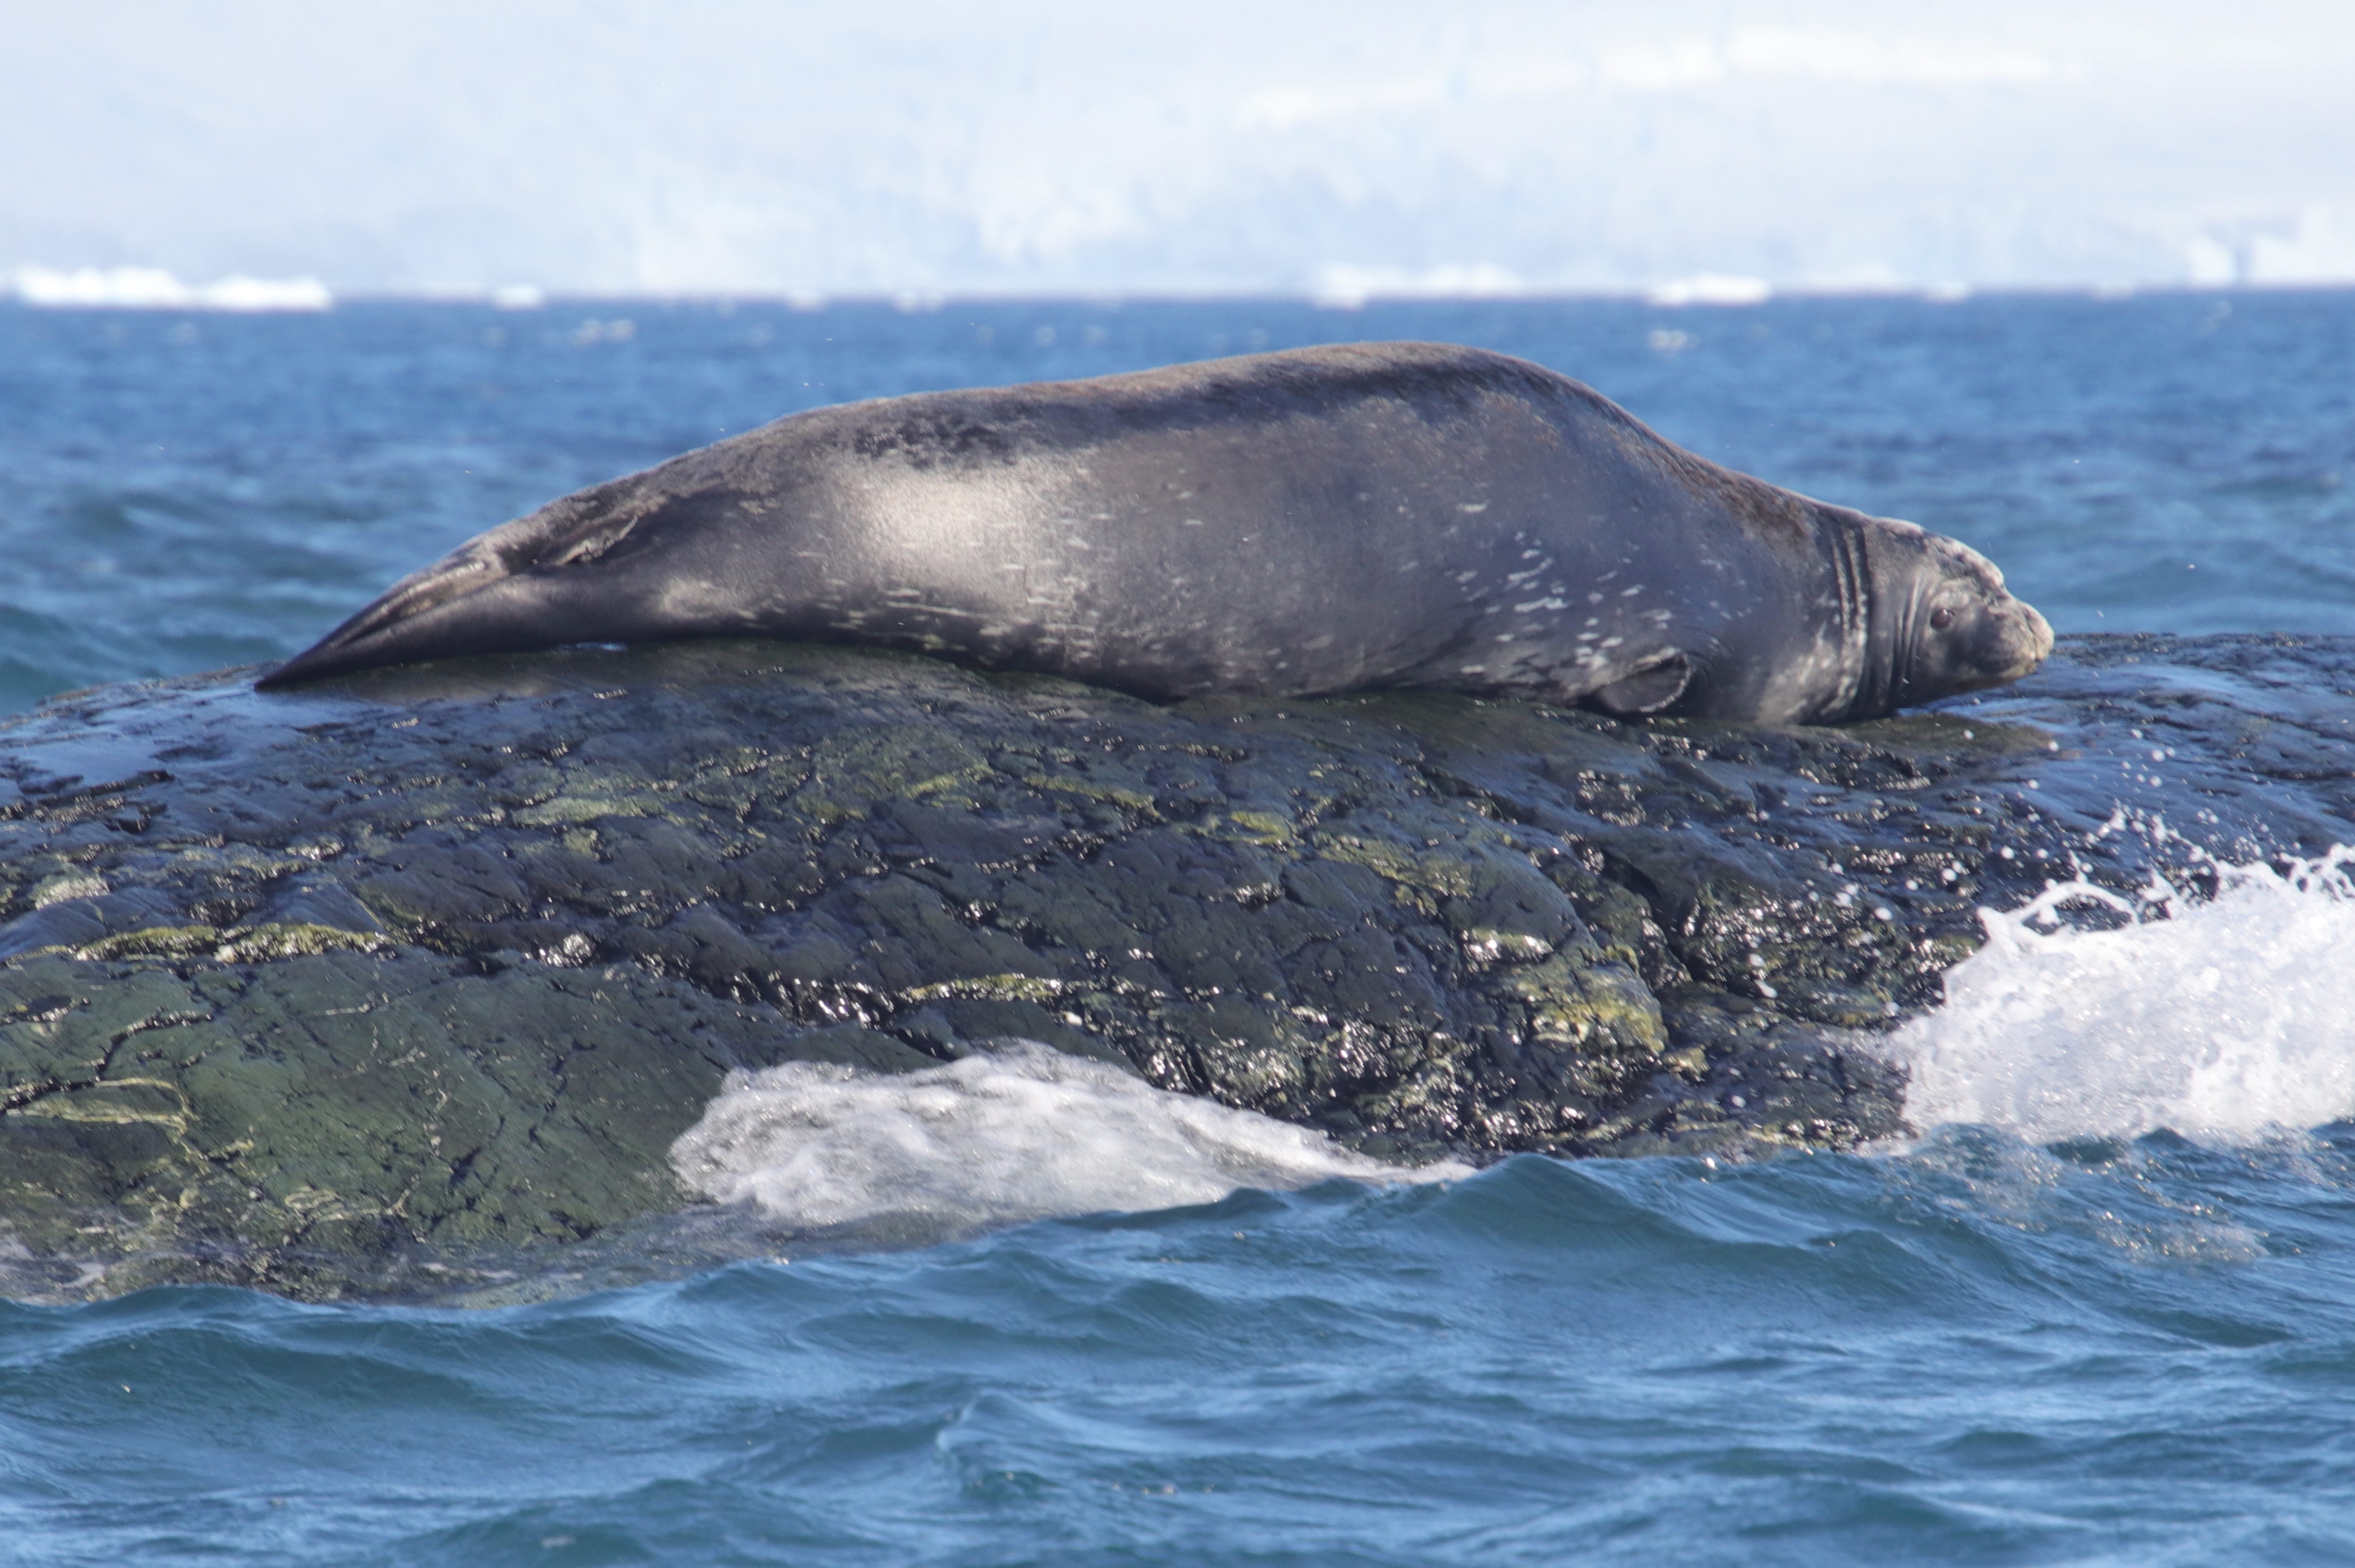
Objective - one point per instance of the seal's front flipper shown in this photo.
(1652, 687)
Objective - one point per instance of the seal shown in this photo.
(1318, 520)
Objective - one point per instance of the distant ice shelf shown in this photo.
(152, 288)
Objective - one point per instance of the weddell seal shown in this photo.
(1314, 521)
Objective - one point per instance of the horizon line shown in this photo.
(1680, 295)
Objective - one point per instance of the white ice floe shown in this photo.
(1022, 1133)
(1711, 288)
(152, 288)
(1338, 286)
(2221, 1019)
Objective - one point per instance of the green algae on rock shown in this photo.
(298, 989)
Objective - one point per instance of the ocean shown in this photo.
(2100, 1310)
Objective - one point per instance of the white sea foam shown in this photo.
(152, 288)
(1023, 1133)
(2221, 1019)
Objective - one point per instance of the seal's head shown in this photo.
(1942, 621)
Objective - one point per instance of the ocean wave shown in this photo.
(2224, 1019)
(1023, 1133)
(152, 288)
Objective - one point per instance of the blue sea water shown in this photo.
(1975, 1348)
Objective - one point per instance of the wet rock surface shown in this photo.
(411, 976)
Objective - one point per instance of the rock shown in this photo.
(427, 970)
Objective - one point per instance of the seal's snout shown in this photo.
(2007, 640)
(2037, 638)
(2008, 643)
(2018, 638)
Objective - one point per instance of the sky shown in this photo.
(1041, 147)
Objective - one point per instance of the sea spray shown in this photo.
(2221, 1018)
(1024, 1132)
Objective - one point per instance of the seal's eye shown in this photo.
(1941, 618)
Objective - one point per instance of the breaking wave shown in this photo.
(2221, 1018)
(1024, 1132)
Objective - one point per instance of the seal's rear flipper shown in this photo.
(1649, 690)
(423, 616)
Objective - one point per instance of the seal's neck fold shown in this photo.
(1864, 674)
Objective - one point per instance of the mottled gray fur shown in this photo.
(1319, 520)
